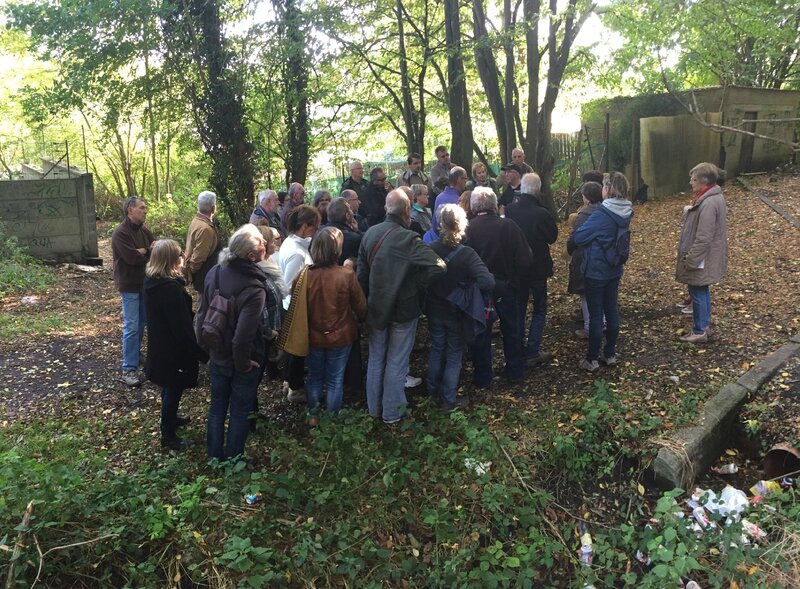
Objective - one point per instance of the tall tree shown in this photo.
(457, 99)
(214, 86)
(295, 68)
(704, 43)
(526, 115)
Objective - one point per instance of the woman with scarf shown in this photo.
(703, 245)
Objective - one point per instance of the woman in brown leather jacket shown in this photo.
(335, 304)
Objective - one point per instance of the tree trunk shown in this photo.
(488, 72)
(457, 100)
(508, 82)
(296, 94)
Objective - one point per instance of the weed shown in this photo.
(19, 272)
(15, 326)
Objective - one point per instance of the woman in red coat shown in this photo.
(172, 351)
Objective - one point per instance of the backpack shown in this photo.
(476, 309)
(619, 251)
(219, 322)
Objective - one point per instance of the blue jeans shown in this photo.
(444, 362)
(701, 307)
(601, 297)
(134, 320)
(538, 291)
(326, 367)
(512, 325)
(237, 391)
(389, 350)
(170, 399)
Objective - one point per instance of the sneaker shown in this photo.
(175, 443)
(591, 366)
(687, 310)
(131, 378)
(696, 338)
(687, 302)
(313, 421)
(582, 333)
(539, 359)
(412, 381)
(610, 361)
(296, 395)
(461, 404)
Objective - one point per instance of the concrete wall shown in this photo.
(670, 147)
(735, 152)
(54, 219)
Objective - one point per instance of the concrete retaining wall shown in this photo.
(54, 219)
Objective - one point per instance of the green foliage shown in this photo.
(436, 504)
(753, 44)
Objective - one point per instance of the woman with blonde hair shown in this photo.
(703, 245)
(172, 351)
(445, 320)
(335, 304)
(481, 177)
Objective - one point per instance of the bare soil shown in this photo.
(72, 371)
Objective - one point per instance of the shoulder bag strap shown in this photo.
(378, 245)
(452, 254)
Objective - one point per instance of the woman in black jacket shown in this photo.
(172, 350)
(445, 320)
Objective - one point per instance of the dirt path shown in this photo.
(71, 370)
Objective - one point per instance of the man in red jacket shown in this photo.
(130, 244)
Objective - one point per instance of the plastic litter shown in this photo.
(764, 488)
(479, 468)
(726, 469)
(253, 498)
(730, 504)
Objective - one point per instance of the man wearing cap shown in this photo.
(511, 189)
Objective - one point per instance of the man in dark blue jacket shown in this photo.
(501, 245)
(540, 231)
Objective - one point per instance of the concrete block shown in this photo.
(755, 378)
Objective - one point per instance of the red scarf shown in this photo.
(701, 193)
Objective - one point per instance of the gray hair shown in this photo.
(130, 203)
(456, 173)
(338, 211)
(244, 240)
(397, 202)
(347, 194)
(265, 195)
(531, 184)
(418, 189)
(483, 200)
(452, 224)
(206, 201)
(351, 166)
(293, 188)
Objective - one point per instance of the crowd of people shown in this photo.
(294, 291)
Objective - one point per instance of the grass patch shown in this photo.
(445, 501)
(14, 326)
(19, 272)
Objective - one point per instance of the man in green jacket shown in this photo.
(393, 264)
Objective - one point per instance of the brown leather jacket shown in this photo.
(335, 300)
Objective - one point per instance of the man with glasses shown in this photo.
(441, 169)
(351, 198)
(375, 196)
